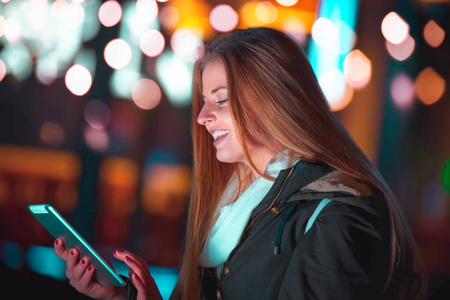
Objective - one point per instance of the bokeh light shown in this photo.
(43, 260)
(121, 83)
(117, 54)
(266, 12)
(78, 80)
(12, 255)
(96, 139)
(2, 70)
(175, 77)
(394, 28)
(248, 15)
(2, 25)
(296, 30)
(336, 89)
(110, 13)
(18, 60)
(434, 34)
(402, 91)
(147, 9)
(287, 2)
(73, 15)
(445, 177)
(346, 38)
(402, 50)
(169, 17)
(325, 33)
(38, 16)
(52, 134)
(223, 18)
(46, 70)
(146, 93)
(58, 8)
(152, 43)
(430, 86)
(97, 114)
(357, 69)
(186, 44)
(13, 30)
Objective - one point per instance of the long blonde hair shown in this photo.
(273, 94)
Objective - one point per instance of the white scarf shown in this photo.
(233, 217)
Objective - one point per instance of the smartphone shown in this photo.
(60, 228)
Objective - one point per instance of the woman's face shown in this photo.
(216, 117)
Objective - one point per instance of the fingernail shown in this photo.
(83, 261)
(57, 242)
(72, 252)
(127, 258)
(90, 268)
(119, 251)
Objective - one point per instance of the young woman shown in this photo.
(284, 203)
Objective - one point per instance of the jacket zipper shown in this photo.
(218, 291)
(271, 205)
(219, 285)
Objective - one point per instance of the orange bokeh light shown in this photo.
(430, 86)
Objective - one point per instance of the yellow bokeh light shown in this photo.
(357, 69)
(434, 34)
(394, 28)
(117, 54)
(302, 11)
(146, 93)
(266, 12)
(192, 15)
(248, 16)
(166, 189)
(430, 86)
(287, 2)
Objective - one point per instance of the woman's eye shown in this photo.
(222, 101)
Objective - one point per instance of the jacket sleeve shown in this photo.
(345, 255)
(131, 290)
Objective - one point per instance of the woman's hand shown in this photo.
(139, 275)
(80, 274)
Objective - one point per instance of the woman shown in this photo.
(284, 203)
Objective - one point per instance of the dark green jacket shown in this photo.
(344, 254)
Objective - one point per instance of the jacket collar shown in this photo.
(292, 180)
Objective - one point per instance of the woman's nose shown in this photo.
(206, 115)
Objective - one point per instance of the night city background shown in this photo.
(95, 112)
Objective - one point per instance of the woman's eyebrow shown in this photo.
(213, 91)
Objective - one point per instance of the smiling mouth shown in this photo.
(220, 133)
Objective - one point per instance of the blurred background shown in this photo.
(95, 104)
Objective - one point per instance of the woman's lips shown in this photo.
(220, 139)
